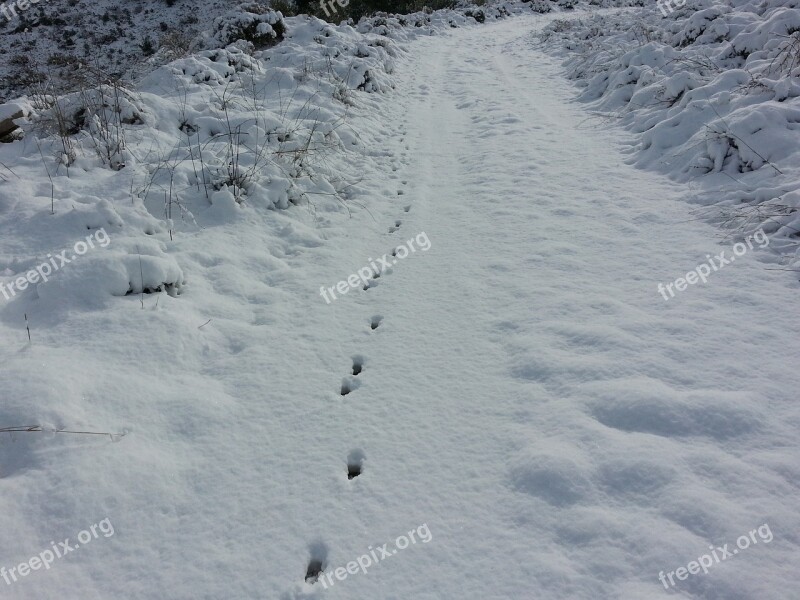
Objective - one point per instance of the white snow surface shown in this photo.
(561, 429)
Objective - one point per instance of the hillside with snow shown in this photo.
(486, 302)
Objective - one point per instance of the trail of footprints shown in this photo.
(356, 458)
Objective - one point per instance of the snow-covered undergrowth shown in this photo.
(712, 92)
(198, 143)
(57, 36)
(256, 121)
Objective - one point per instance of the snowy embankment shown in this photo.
(712, 92)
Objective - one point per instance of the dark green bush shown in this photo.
(247, 24)
(356, 9)
(285, 7)
(147, 46)
(478, 15)
(306, 7)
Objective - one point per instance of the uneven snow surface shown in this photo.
(525, 400)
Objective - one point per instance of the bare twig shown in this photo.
(39, 429)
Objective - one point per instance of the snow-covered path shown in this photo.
(564, 431)
(526, 392)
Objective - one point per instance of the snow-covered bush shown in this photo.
(254, 23)
(476, 14)
(541, 6)
(96, 115)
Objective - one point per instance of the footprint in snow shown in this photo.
(358, 365)
(355, 464)
(376, 322)
(313, 571)
(348, 385)
(316, 562)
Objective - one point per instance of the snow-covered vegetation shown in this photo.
(712, 93)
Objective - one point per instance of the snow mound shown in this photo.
(91, 281)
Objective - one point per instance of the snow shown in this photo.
(11, 110)
(713, 91)
(519, 388)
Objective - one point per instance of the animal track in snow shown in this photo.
(407, 208)
(316, 563)
(358, 365)
(313, 571)
(355, 464)
(376, 322)
(348, 385)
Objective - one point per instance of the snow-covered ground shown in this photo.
(522, 407)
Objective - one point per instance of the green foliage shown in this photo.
(285, 7)
(478, 15)
(306, 7)
(248, 26)
(147, 46)
(355, 9)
